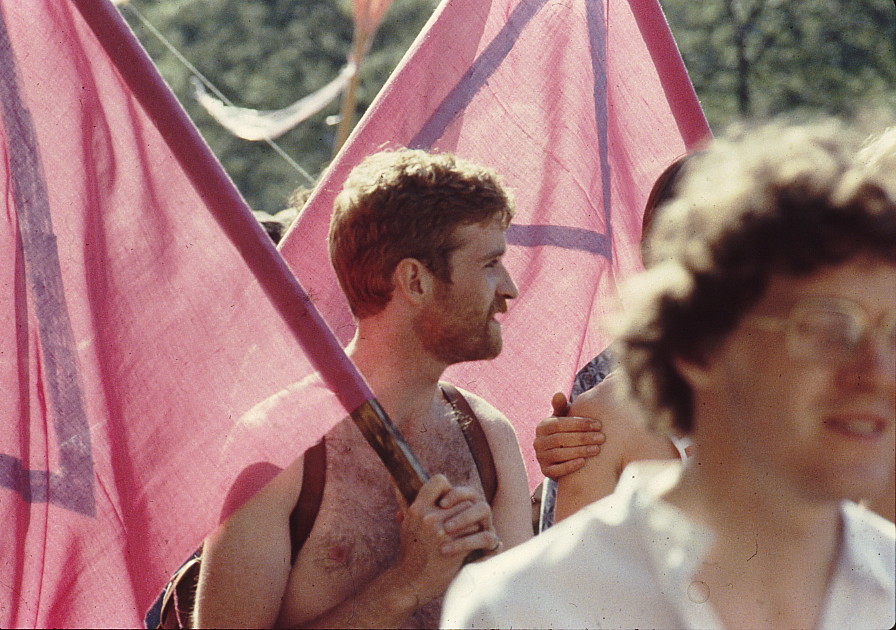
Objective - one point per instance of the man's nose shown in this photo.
(507, 288)
(874, 363)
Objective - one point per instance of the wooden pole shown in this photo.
(349, 97)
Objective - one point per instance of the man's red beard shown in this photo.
(454, 334)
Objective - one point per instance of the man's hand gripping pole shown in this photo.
(391, 447)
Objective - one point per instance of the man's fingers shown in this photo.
(475, 517)
(560, 455)
(556, 463)
(566, 424)
(468, 531)
(554, 447)
(431, 491)
(486, 540)
(458, 495)
(555, 471)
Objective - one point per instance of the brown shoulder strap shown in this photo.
(476, 440)
(303, 515)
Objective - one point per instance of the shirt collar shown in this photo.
(863, 535)
(676, 543)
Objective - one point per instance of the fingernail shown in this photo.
(593, 450)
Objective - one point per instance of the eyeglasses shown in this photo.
(829, 329)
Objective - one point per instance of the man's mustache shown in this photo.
(500, 306)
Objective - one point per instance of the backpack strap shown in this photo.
(178, 599)
(303, 515)
(476, 440)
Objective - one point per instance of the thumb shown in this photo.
(560, 404)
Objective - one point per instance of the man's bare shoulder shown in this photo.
(629, 438)
(265, 494)
(511, 507)
(500, 434)
(492, 420)
(608, 402)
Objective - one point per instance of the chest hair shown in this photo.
(356, 534)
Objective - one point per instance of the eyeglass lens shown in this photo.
(832, 332)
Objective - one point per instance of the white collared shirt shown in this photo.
(628, 561)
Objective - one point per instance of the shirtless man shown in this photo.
(767, 334)
(417, 242)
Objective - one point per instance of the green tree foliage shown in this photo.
(759, 58)
(747, 59)
(265, 54)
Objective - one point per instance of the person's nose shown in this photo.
(507, 287)
(874, 365)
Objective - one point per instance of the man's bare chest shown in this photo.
(356, 533)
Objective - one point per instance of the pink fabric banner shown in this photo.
(146, 325)
(580, 106)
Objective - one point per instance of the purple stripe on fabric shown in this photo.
(477, 75)
(225, 203)
(72, 487)
(463, 93)
(597, 30)
(558, 236)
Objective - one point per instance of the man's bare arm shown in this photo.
(627, 439)
(512, 507)
(598, 476)
(246, 561)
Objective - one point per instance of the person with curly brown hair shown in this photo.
(766, 332)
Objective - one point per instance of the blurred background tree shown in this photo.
(265, 54)
(758, 58)
(747, 59)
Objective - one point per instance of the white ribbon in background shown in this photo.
(255, 124)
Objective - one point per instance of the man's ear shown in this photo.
(412, 279)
